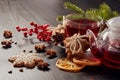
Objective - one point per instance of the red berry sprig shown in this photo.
(40, 30)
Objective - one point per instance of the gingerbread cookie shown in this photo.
(76, 46)
(28, 60)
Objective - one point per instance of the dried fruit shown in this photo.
(67, 65)
(87, 61)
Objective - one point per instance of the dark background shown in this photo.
(22, 12)
(57, 6)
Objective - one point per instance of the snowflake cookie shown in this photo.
(28, 60)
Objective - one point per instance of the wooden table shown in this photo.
(22, 12)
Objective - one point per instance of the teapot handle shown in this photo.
(92, 38)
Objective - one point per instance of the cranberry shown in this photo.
(35, 30)
(30, 33)
(18, 28)
(32, 23)
(31, 30)
(35, 25)
(47, 39)
(24, 29)
(25, 34)
(46, 25)
(39, 37)
(40, 30)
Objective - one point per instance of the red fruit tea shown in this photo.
(81, 26)
(109, 55)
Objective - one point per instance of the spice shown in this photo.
(10, 72)
(21, 70)
(7, 34)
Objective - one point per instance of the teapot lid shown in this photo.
(114, 24)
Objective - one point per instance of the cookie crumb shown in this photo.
(10, 72)
(30, 51)
(24, 50)
(21, 70)
(15, 42)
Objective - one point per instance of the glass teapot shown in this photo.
(106, 46)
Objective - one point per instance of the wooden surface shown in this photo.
(22, 12)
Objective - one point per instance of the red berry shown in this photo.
(32, 23)
(31, 30)
(46, 25)
(39, 30)
(18, 27)
(35, 25)
(18, 30)
(25, 34)
(39, 27)
(47, 38)
(39, 37)
(35, 30)
(24, 29)
(30, 33)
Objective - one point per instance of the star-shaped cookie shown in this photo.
(28, 60)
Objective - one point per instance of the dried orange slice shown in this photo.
(87, 61)
(67, 65)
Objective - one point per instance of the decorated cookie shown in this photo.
(28, 60)
(76, 46)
